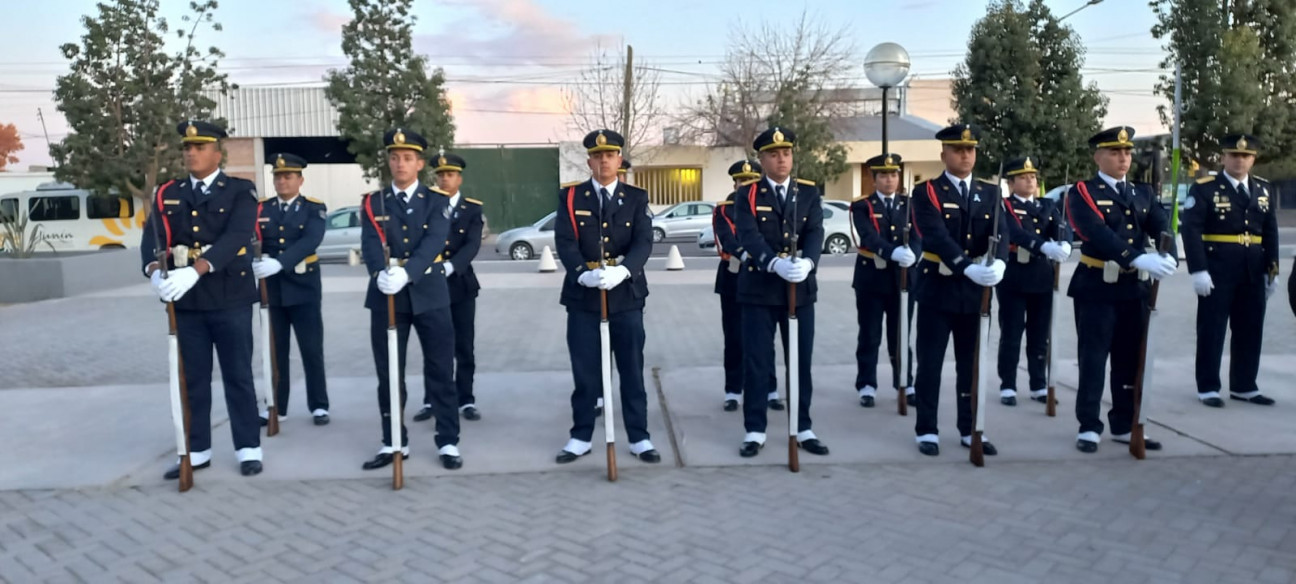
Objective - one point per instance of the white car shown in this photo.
(837, 231)
(683, 220)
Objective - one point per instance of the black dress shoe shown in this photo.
(731, 405)
(250, 467)
(776, 405)
(1213, 402)
(424, 414)
(814, 446)
(1259, 400)
(929, 448)
(265, 421)
(565, 457)
(911, 400)
(866, 401)
(1086, 446)
(598, 411)
(1044, 399)
(173, 473)
(1008, 400)
(471, 414)
(451, 462)
(750, 449)
(383, 459)
(1148, 443)
(987, 448)
(322, 420)
(650, 456)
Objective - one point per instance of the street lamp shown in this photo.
(1086, 5)
(886, 66)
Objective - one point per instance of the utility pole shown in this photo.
(625, 97)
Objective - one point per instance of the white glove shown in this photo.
(266, 267)
(903, 256)
(612, 276)
(449, 268)
(590, 279)
(980, 274)
(391, 280)
(1066, 248)
(1202, 283)
(783, 267)
(177, 283)
(801, 268)
(1156, 265)
(1054, 251)
(156, 280)
(1271, 287)
(997, 269)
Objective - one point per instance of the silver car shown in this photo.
(525, 243)
(684, 220)
(341, 234)
(837, 231)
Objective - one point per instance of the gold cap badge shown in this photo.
(600, 140)
(1242, 143)
(280, 163)
(1028, 165)
(1123, 136)
(889, 161)
(778, 135)
(746, 167)
(191, 131)
(399, 138)
(967, 134)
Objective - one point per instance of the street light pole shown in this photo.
(886, 66)
(1086, 5)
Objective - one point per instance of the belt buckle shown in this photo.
(1244, 238)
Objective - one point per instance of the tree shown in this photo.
(386, 85)
(1237, 67)
(10, 142)
(596, 100)
(126, 93)
(774, 74)
(1021, 83)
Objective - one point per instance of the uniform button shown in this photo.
(785, 234)
(281, 240)
(194, 213)
(893, 228)
(607, 254)
(406, 240)
(1129, 226)
(969, 236)
(461, 231)
(281, 228)
(604, 225)
(222, 210)
(1037, 231)
(242, 273)
(195, 228)
(1131, 241)
(627, 223)
(404, 227)
(1127, 212)
(447, 242)
(606, 239)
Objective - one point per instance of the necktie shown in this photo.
(1120, 188)
(604, 199)
(1242, 189)
(778, 190)
(404, 198)
(202, 187)
(963, 190)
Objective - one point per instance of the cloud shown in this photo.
(512, 31)
(327, 21)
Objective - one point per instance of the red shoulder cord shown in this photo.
(382, 234)
(166, 225)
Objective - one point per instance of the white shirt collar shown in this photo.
(1024, 200)
(887, 198)
(956, 180)
(409, 191)
(786, 182)
(611, 187)
(289, 202)
(454, 200)
(1109, 179)
(1233, 181)
(209, 180)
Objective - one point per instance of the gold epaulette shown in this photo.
(861, 197)
(438, 191)
(749, 182)
(313, 200)
(989, 182)
(723, 203)
(805, 182)
(266, 200)
(473, 201)
(570, 184)
(1205, 179)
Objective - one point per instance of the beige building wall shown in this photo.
(931, 100)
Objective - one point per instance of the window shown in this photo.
(61, 208)
(109, 207)
(548, 224)
(342, 220)
(827, 212)
(669, 186)
(8, 209)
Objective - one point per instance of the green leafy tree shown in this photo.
(1021, 84)
(819, 156)
(386, 85)
(126, 92)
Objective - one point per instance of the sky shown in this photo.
(506, 61)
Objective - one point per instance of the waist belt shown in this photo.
(866, 253)
(944, 270)
(1111, 270)
(1094, 262)
(1244, 239)
(183, 255)
(610, 262)
(878, 262)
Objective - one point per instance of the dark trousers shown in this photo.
(935, 327)
(1239, 305)
(435, 331)
(229, 331)
(869, 310)
(1028, 312)
(1102, 329)
(464, 315)
(307, 323)
(758, 324)
(731, 325)
(583, 343)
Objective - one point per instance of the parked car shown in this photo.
(682, 220)
(525, 243)
(72, 219)
(843, 205)
(837, 231)
(341, 233)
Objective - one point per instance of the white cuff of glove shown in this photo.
(613, 276)
(449, 268)
(590, 279)
(903, 256)
(266, 267)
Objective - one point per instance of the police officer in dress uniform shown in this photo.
(413, 221)
(954, 215)
(624, 170)
(1230, 234)
(769, 210)
(291, 227)
(461, 247)
(607, 215)
(206, 221)
(879, 220)
(1117, 221)
(1037, 237)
